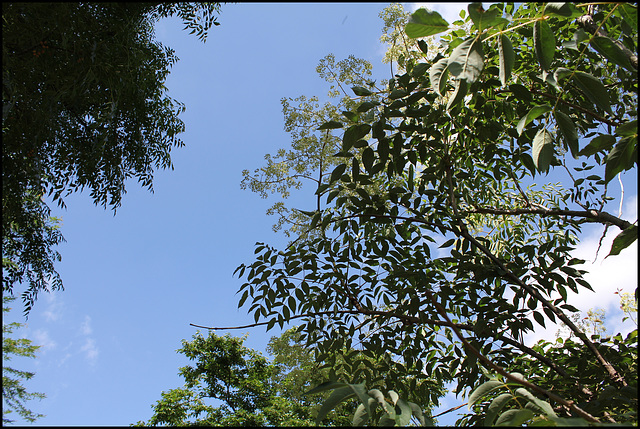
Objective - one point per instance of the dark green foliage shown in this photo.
(84, 107)
(14, 394)
(450, 156)
(249, 389)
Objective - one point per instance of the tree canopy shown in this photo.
(84, 107)
(14, 394)
(445, 231)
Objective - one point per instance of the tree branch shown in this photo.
(570, 404)
(613, 373)
(591, 215)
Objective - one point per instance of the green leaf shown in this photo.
(339, 395)
(425, 23)
(593, 89)
(565, 10)
(628, 129)
(418, 414)
(599, 143)
(495, 407)
(608, 49)
(629, 13)
(484, 18)
(531, 115)
(544, 44)
(353, 134)
(459, 92)
(539, 318)
(353, 117)
(337, 172)
(568, 130)
(542, 151)
(361, 91)
(368, 157)
(420, 68)
(506, 58)
(367, 105)
(521, 92)
(483, 390)
(447, 243)
(397, 93)
(467, 60)
(330, 125)
(438, 74)
(561, 73)
(620, 158)
(514, 417)
(403, 412)
(535, 403)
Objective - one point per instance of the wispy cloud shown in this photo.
(90, 350)
(55, 307)
(86, 326)
(40, 337)
(605, 275)
(449, 11)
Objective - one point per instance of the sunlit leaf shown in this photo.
(623, 240)
(483, 19)
(514, 417)
(542, 151)
(564, 10)
(425, 23)
(532, 114)
(438, 75)
(495, 407)
(467, 60)
(483, 390)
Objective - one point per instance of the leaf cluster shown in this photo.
(437, 251)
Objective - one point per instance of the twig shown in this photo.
(592, 215)
(450, 409)
(613, 373)
(570, 404)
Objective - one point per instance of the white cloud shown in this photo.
(605, 275)
(54, 307)
(90, 350)
(41, 338)
(450, 11)
(86, 326)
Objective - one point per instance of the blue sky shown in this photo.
(134, 282)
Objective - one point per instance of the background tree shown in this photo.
(455, 144)
(84, 106)
(248, 389)
(252, 391)
(14, 394)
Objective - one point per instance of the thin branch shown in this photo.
(575, 106)
(613, 373)
(450, 409)
(621, 196)
(570, 404)
(376, 313)
(591, 215)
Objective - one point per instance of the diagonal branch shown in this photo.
(590, 215)
(613, 373)
(570, 404)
